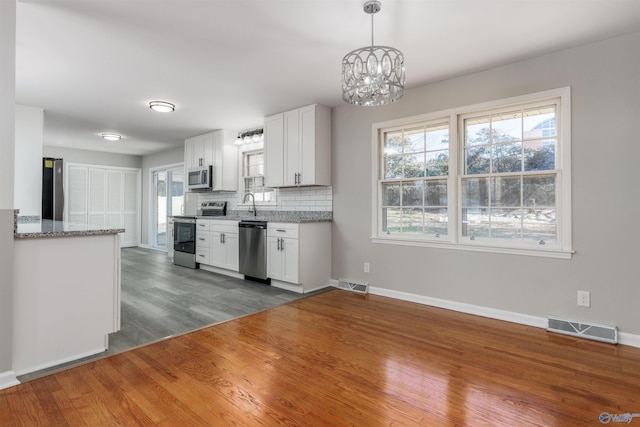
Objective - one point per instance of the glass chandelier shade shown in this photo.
(373, 75)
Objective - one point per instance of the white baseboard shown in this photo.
(8, 379)
(317, 288)
(223, 271)
(478, 310)
(287, 286)
(144, 245)
(624, 338)
(51, 364)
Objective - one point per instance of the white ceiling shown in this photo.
(94, 65)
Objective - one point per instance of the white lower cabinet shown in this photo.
(299, 255)
(283, 259)
(217, 243)
(224, 249)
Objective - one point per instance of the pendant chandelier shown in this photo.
(373, 75)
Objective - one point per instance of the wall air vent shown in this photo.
(590, 331)
(354, 286)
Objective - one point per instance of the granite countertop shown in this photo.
(276, 216)
(49, 228)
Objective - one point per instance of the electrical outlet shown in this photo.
(367, 267)
(584, 299)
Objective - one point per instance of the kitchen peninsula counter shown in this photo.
(66, 292)
(50, 228)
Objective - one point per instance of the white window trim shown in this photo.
(563, 250)
(248, 148)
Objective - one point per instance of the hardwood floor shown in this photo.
(339, 358)
(160, 300)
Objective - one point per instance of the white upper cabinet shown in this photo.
(274, 150)
(215, 148)
(298, 147)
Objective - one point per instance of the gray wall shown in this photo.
(605, 82)
(72, 155)
(7, 128)
(163, 158)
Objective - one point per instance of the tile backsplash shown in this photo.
(293, 199)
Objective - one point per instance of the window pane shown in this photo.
(475, 222)
(393, 167)
(391, 194)
(436, 193)
(435, 221)
(438, 163)
(414, 141)
(505, 191)
(477, 160)
(412, 220)
(540, 123)
(438, 139)
(506, 127)
(414, 166)
(540, 224)
(506, 223)
(412, 193)
(539, 191)
(248, 185)
(477, 131)
(393, 143)
(391, 220)
(475, 192)
(540, 155)
(507, 157)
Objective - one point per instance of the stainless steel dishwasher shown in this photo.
(252, 237)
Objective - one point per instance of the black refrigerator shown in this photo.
(52, 193)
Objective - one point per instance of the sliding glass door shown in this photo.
(167, 189)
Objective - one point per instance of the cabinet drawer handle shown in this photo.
(201, 256)
(200, 238)
(281, 231)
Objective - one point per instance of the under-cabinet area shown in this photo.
(298, 255)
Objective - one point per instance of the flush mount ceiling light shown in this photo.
(161, 106)
(111, 136)
(373, 75)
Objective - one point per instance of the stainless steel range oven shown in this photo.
(184, 241)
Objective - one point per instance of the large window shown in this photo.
(414, 182)
(490, 177)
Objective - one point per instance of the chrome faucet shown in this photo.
(252, 208)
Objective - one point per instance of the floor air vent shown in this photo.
(352, 285)
(584, 330)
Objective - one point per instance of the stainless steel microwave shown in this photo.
(200, 178)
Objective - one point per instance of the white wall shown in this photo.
(7, 143)
(28, 160)
(87, 157)
(605, 84)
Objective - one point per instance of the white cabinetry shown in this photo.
(217, 243)
(298, 147)
(299, 255)
(283, 252)
(203, 241)
(215, 148)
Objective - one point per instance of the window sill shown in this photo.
(545, 253)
